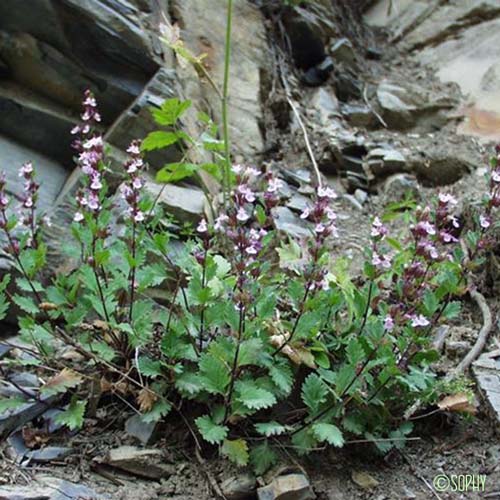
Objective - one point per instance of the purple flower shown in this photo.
(388, 323)
(320, 228)
(78, 217)
(134, 149)
(495, 176)
(425, 228)
(485, 221)
(420, 320)
(237, 169)
(378, 229)
(247, 193)
(202, 226)
(305, 213)
(220, 221)
(326, 193)
(447, 237)
(274, 185)
(242, 215)
(26, 170)
(447, 199)
(383, 262)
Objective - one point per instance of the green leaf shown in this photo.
(262, 458)
(214, 374)
(249, 352)
(60, 383)
(269, 429)
(158, 140)
(72, 417)
(11, 403)
(103, 350)
(236, 450)
(173, 172)
(160, 409)
(254, 397)
(149, 367)
(452, 310)
(26, 304)
(170, 111)
(210, 431)
(314, 392)
(329, 433)
(189, 384)
(304, 441)
(282, 376)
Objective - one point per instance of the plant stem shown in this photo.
(225, 90)
(132, 272)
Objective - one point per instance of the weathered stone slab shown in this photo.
(486, 370)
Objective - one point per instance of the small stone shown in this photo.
(457, 348)
(353, 201)
(297, 176)
(298, 202)
(239, 487)
(147, 463)
(49, 454)
(140, 430)
(318, 75)
(289, 223)
(361, 196)
(288, 487)
(364, 480)
(4, 350)
(358, 115)
(397, 187)
(25, 379)
(342, 51)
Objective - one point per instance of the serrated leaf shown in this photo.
(11, 403)
(210, 431)
(452, 310)
(214, 374)
(160, 409)
(150, 367)
(189, 383)
(304, 441)
(158, 139)
(249, 352)
(72, 417)
(61, 382)
(27, 304)
(269, 429)
(262, 458)
(174, 172)
(254, 397)
(314, 392)
(282, 376)
(236, 451)
(329, 433)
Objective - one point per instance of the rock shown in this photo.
(365, 480)
(410, 105)
(251, 65)
(353, 201)
(361, 196)
(297, 177)
(298, 202)
(457, 348)
(324, 105)
(146, 463)
(49, 418)
(15, 418)
(25, 380)
(486, 371)
(384, 161)
(347, 84)
(287, 222)
(140, 430)
(358, 115)
(342, 51)
(49, 454)
(184, 203)
(288, 487)
(4, 350)
(240, 487)
(49, 488)
(318, 75)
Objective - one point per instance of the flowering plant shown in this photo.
(257, 336)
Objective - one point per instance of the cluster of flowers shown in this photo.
(238, 226)
(323, 218)
(90, 148)
(433, 241)
(131, 188)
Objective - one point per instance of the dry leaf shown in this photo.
(33, 438)
(146, 399)
(298, 354)
(457, 403)
(100, 325)
(106, 385)
(48, 306)
(66, 379)
(364, 480)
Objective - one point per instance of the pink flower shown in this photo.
(96, 184)
(26, 170)
(388, 323)
(242, 215)
(4, 200)
(251, 250)
(134, 149)
(237, 169)
(484, 221)
(90, 100)
(252, 172)
(28, 202)
(139, 216)
(426, 228)
(447, 237)
(274, 185)
(419, 320)
(447, 199)
(137, 183)
(378, 229)
(93, 142)
(78, 217)
(381, 261)
(320, 228)
(495, 176)
(220, 221)
(202, 226)
(306, 213)
(330, 214)
(247, 193)
(326, 193)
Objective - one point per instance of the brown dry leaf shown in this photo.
(64, 380)
(146, 399)
(100, 325)
(298, 354)
(364, 480)
(48, 306)
(33, 438)
(457, 403)
(106, 385)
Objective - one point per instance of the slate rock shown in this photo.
(144, 432)
(289, 223)
(318, 75)
(146, 463)
(240, 487)
(287, 487)
(342, 51)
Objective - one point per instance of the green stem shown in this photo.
(225, 90)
